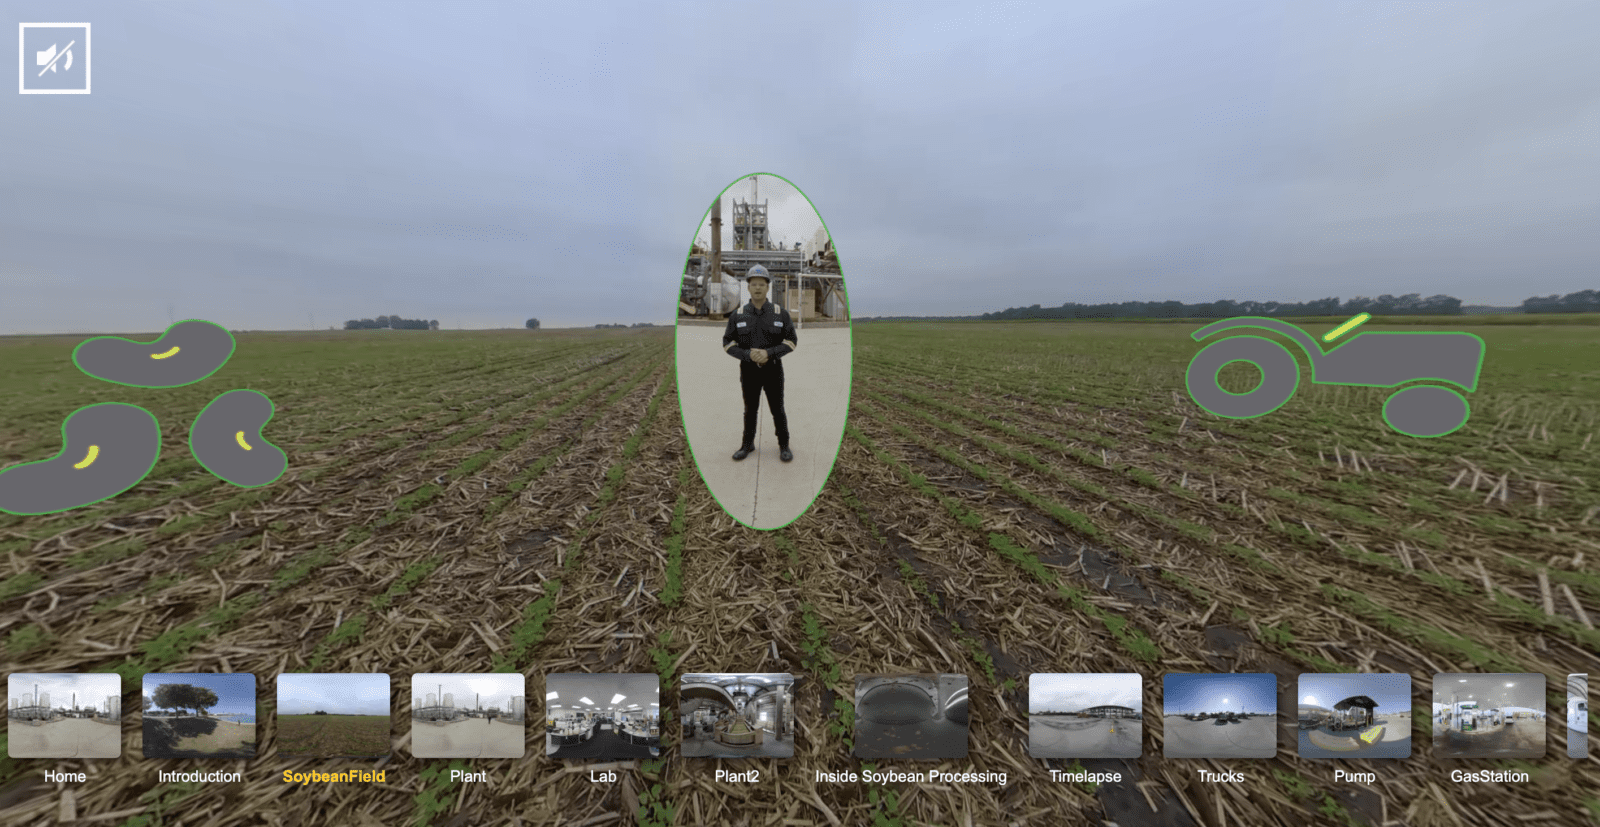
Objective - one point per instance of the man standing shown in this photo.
(759, 335)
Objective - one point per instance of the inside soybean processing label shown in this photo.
(920, 777)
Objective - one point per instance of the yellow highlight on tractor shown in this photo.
(172, 351)
(238, 437)
(1346, 327)
(94, 453)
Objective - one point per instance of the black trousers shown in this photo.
(753, 379)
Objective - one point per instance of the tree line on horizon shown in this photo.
(1411, 304)
(391, 323)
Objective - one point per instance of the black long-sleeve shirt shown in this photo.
(769, 329)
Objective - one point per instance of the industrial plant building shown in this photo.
(62, 715)
(467, 715)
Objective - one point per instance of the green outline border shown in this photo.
(63, 451)
(1458, 426)
(264, 441)
(1302, 337)
(1261, 379)
(1275, 343)
(850, 373)
(233, 346)
(1252, 321)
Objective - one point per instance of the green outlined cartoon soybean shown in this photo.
(1370, 359)
(184, 354)
(226, 440)
(108, 448)
(105, 450)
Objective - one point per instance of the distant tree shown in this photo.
(319, 712)
(391, 323)
(531, 324)
(1583, 301)
(1409, 304)
(185, 696)
(147, 703)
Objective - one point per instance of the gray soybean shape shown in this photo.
(105, 450)
(186, 353)
(1280, 376)
(226, 440)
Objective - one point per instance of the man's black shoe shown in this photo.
(785, 454)
(744, 451)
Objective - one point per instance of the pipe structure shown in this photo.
(716, 241)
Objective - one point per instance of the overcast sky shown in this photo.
(262, 164)
(1070, 692)
(305, 693)
(491, 689)
(92, 688)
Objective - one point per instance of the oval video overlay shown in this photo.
(763, 364)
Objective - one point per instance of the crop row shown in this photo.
(173, 645)
(1339, 513)
(1509, 607)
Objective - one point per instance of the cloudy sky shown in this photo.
(92, 688)
(270, 165)
(491, 689)
(305, 693)
(1068, 692)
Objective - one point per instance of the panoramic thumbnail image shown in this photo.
(1495, 715)
(199, 715)
(329, 716)
(615, 717)
(1354, 715)
(923, 717)
(64, 715)
(1078, 715)
(463, 715)
(1219, 716)
(1578, 716)
(737, 715)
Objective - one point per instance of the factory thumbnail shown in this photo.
(734, 715)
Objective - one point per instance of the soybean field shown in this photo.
(1009, 498)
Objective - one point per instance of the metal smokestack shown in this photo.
(716, 241)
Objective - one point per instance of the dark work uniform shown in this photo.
(769, 329)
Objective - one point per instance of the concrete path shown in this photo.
(762, 491)
(470, 738)
(65, 738)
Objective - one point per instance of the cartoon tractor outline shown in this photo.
(1371, 359)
